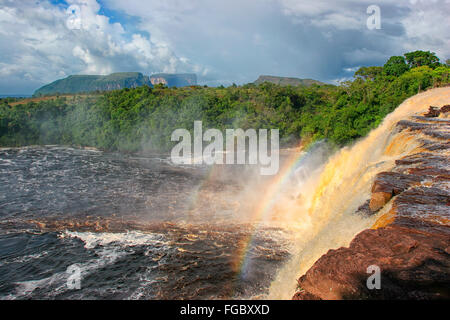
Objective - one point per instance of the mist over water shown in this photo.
(143, 228)
(328, 217)
(138, 227)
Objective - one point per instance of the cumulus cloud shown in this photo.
(240, 39)
(41, 42)
(222, 41)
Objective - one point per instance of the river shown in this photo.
(136, 227)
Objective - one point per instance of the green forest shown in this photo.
(142, 119)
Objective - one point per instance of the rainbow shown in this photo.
(241, 260)
(269, 199)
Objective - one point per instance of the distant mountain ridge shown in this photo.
(90, 83)
(286, 81)
(120, 80)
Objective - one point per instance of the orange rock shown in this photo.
(378, 200)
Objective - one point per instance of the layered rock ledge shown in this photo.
(410, 243)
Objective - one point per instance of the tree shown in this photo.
(395, 66)
(442, 74)
(369, 72)
(422, 58)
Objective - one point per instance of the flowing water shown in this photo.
(326, 216)
(142, 228)
(177, 230)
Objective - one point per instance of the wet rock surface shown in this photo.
(388, 185)
(410, 243)
(413, 265)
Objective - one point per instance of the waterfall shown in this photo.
(326, 217)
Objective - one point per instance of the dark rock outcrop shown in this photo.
(174, 80)
(435, 112)
(413, 264)
(432, 112)
(388, 185)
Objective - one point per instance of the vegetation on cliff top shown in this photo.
(90, 83)
(142, 119)
(285, 81)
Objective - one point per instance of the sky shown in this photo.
(223, 42)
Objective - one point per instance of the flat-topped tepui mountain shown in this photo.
(120, 80)
(90, 83)
(285, 81)
(114, 81)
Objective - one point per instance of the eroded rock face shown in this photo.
(411, 242)
(445, 109)
(389, 184)
(432, 112)
(413, 264)
(436, 112)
